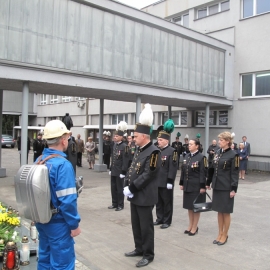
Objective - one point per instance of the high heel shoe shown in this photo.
(186, 232)
(192, 234)
(223, 243)
(215, 242)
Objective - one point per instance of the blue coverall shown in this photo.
(56, 246)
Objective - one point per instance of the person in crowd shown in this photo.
(107, 151)
(232, 147)
(80, 150)
(56, 238)
(90, 151)
(224, 179)
(211, 152)
(38, 146)
(177, 145)
(118, 168)
(243, 155)
(71, 151)
(67, 121)
(192, 182)
(166, 177)
(247, 146)
(198, 136)
(185, 149)
(131, 148)
(141, 188)
(19, 147)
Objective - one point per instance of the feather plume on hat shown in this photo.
(233, 135)
(122, 125)
(168, 128)
(186, 137)
(146, 116)
(108, 133)
(105, 132)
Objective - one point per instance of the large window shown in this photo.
(66, 99)
(53, 99)
(214, 9)
(79, 98)
(256, 84)
(255, 7)
(183, 20)
(43, 99)
(179, 118)
(200, 118)
(116, 118)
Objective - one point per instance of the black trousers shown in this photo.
(79, 159)
(143, 230)
(117, 186)
(164, 207)
(106, 160)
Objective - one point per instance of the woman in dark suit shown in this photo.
(243, 154)
(224, 178)
(192, 182)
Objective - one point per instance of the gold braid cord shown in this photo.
(205, 161)
(126, 149)
(153, 161)
(175, 156)
(236, 162)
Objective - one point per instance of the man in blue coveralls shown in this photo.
(56, 244)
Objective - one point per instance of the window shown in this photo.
(223, 118)
(179, 118)
(66, 99)
(43, 99)
(182, 20)
(257, 84)
(116, 118)
(214, 9)
(200, 118)
(255, 7)
(53, 99)
(79, 98)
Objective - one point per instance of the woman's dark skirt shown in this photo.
(189, 197)
(221, 201)
(243, 165)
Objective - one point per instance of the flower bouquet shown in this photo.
(9, 220)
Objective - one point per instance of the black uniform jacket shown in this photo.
(38, 146)
(178, 147)
(193, 172)
(211, 156)
(141, 176)
(107, 147)
(119, 159)
(131, 151)
(168, 169)
(224, 174)
(185, 148)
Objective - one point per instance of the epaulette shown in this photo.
(154, 159)
(175, 155)
(236, 161)
(126, 149)
(205, 161)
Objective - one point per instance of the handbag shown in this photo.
(202, 207)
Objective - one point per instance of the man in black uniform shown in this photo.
(118, 169)
(131, 149)
(212, 149)
(178, 147)
(142, 190)
(67, 121)
(165, 178)
(71, 151)
(107, 151)
(38, 146)
(185, 150)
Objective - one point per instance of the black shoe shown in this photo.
(222, 243)
(143, 262)
(119, 209)
(215, 242)
(133, 253)
(192, 234)
(165, 226)
(112, 207)
(157, 223)
(186, 232)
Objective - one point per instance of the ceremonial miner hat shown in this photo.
(178, 134)
(168, 128)
(186, 137)
(198, 136)
(121, 128)
(145, 120)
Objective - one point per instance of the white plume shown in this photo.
(233, 135)
(108, 133)
(186, 137)
(105, 132)
(122, 126)
(146, 116)
(125, 135)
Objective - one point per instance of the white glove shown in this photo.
(122, 176)
(127, 192)
(131, 196)
(110, 172)
(169, 186)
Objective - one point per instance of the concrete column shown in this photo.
(206, 123)
(2, 170)
(169, 112)
(24, 124)
(100, 167)
(138, 108)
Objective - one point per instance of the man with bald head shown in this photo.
(211, 152)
